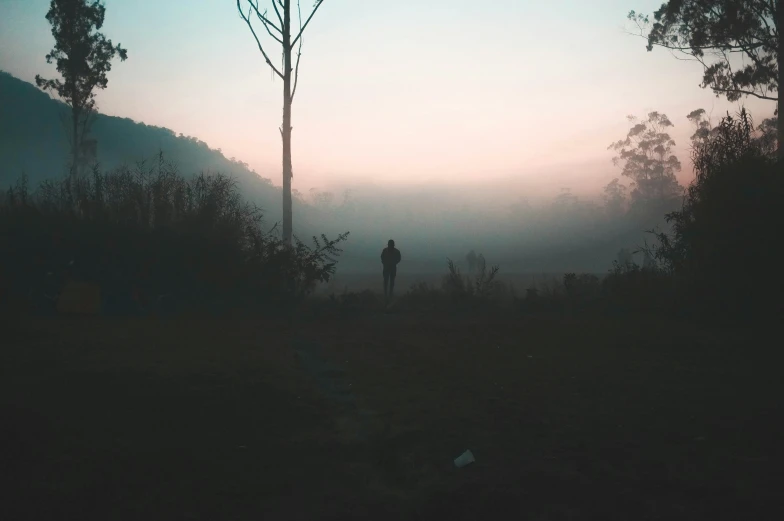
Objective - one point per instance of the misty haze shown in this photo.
(371, 260)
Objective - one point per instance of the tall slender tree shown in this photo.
(614, 198)
(83, 57)
(738, 43)
(646, 157)
(282, 33)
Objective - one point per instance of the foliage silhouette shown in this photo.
(646, 157)
(712, 32)
(614, 196)
(724, 228)
(151, 231)
(83, 58)
(32, 143)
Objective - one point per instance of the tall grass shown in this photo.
(149, 230)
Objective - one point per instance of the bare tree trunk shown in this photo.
(287, 74)
(75, 114)
(780, 121)
(285, 131)
(287, 211)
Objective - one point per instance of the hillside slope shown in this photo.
(33, 140)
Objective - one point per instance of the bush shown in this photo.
(482, 285)
(150, 232)
(458, 292)
(631, 288)
(581, 287)
(719, 252)
(423, 297)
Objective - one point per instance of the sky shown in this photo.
(524, 94)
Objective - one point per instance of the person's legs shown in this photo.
(392, 275)
(386, 283)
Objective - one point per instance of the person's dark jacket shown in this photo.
(390, 257)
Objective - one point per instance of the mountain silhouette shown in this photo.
(33, 140)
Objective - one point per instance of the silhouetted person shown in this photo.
(390, 257)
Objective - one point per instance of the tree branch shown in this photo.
(731, 48)
(277, 12)
(751, 53)
(255, 36)
(299, 53)
(762, 16)
(296, 72)
(262, 17)
(689, 48)
(720, 53)
(746, 92)
(318, 4)
(267, 27)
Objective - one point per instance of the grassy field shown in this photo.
(222, 420)
(354, 281)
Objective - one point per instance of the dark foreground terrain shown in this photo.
(374, 281)
(228, 420)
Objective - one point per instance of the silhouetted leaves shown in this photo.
(719, 249)
(646, 158)
(615, 197)
(152, 231)
(83, 57)
(712, 31)
(715, 33)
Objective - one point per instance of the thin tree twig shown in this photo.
(318, 4)
(719, 53)
(299, 53)
(258, 42)
(690, 49)
(269, 31)
(277, 12)
(746, 93)
(263, 17)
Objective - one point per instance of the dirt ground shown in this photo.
(361, 418)
(374, 281)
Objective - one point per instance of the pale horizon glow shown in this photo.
(395, 92)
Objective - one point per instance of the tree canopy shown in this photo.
(83, 57)
(736, 41)
(646, 157)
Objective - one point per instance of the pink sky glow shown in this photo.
(398, 92)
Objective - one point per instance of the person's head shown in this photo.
(391, 243)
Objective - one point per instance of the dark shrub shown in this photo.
(154, 239)
(720, 249)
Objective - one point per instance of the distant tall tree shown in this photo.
(297, 195)
(349, 203)
(83, 56)
(614, 197)
(763, 135)
(768, 138)
(565, 200)
(647, 159)
(718, 32)
(321, 198)
(281, 32)
(702, 126)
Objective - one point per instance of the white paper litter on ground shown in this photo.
(464, 459)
